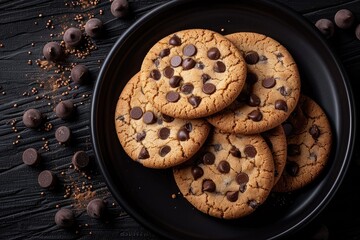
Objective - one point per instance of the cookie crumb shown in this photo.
(173, 196)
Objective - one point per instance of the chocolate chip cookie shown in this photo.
(193, 73)
(309, 141)
(153, 139)
(231, 176)
(271, 91)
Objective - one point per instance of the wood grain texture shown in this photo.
(24, 212)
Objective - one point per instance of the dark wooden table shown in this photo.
(26, 81)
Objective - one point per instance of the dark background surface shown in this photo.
(26, 210)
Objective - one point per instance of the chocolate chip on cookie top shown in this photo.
(192, 73)
(154, 139)
(231, 176)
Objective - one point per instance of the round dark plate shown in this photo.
(146, 193)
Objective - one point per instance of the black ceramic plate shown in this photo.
(146, 193)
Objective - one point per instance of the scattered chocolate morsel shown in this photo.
(165, 52)
(140, 136)
(47, 179)
(96, 208)
(188, 63)
(288, 128)
(64, 109)
(149, 117)
(175, 81)
(167, 118)
(357, 31)
(250, 151)
(344, 18)
(72, 37)
(251, 57)
(164, 150)
(172, 96)
(253, 100)
(155, 74)
(136, 113)
(292, 168)
(253, 203)
(224, 166)
(213, 53)
(144, 154)
(175, 40)
(164, 133)
(52, 51)
(197, 172)
(168, 72)
(176, 61)
(80, 159)
(205, 77)
(187, 88)
(31, 157)
(93, 27)
(80, 74)
(281, 105)
(326, 27)
(194, 101)
(183, 134)
(208, 158)
(234, 151)
(268, 82)
(189, 50)
(65, 218)
(293, 150)
(32, 118)
(208, 186)
(63, 134)
(209, 88)
(119, 8)
(255, 115)
(314, 132)
(232, 196)
(219, 67)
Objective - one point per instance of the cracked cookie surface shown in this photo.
(153, 139)
(309, 140)
(231, 176)
(193, 73)
(271, 91)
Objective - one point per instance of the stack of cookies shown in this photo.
(227, 114)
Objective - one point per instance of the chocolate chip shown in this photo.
(314, 132)
(344, 18)
(63, 134)
(293, 150)
(175, 81)
(194, 101)
(80, 159)
(72, 37)
(155, 74)
(250, 151)
(209, 88)
(284, 91)
(213, 53)
(217, 147)
(253, 100)
(268, 82)
(93, 27)
(172, 96)
(64, 109)
(96, 208)
(164, 150)
(164, 133)
(187, 88)
(232, 196)
(149, 117)
(188, 63)
(175, 40)
(140, 136)
(208, 186)
(31, 157)
(183, 134)
(200, 65)
(234, 151)
(32, 118)
(188, 126)
(255, 115)
(168, 72)
(208, 158)
(219, 67)
(197, 172)
(242, 179)
(136, 113)
(189, 50)
(119, 8)
(156, 62)
(47, 179)
(80, 74)
(288, 128)
(165, 52)
(253, 204)
(65, 218)
(144, 154)
(167, 118)
(176, 61)
(251, 78)
(281, 105)
(52, 51)
(205, 77)
(313, 156)
(223, 167)
(251, 57)
(292, 168)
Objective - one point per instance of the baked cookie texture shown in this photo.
(230, 178)
(309, 140)
(153, 139)
(271, 91)
(193, 73)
